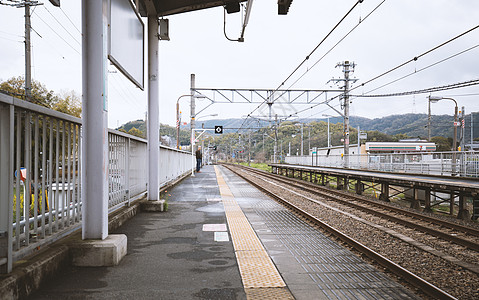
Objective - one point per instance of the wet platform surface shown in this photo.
(187, 253)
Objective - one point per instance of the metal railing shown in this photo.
(433, 163)
(40, 175)
(127, 168)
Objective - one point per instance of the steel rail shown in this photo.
(408, 276)
(327, 193)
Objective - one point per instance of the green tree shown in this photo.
(69, 103)
(39, 95)
(66, 102)
(442, 143)
(136, 132)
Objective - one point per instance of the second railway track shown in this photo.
(447, 235)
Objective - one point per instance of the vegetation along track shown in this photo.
(448, 271)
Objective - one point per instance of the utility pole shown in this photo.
(302, 151)
(472, 132)
(275, 138)
(28, 28)
(192, 122)
(249, 149)
(28, 66)
(463, 131)
(348, 67)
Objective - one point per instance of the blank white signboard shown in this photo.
(126, 49)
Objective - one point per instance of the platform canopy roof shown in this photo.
(171, 7)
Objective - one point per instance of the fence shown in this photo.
(433, 163)
(40, 167)
(128, 167)
(40, 175)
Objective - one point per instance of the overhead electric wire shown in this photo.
(422, 69)
(70, 20)
(58, 34)
(308, 56)
(416, 57)
(423, 91)
(332, 48)
(74, 38)
(442, 88)
(433, 89)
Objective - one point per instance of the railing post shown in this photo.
(127, 169)
(6, 186)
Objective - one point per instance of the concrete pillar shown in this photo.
(427, 199)
(153, 112)
(97, 248)
(339, 183)
(451, 204)
(384, 192)
(95, 116)
(359, 187)
(463, 213)
(415, 199)
(6, 184)
(475, 207)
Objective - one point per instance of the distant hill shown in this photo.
(412, 125)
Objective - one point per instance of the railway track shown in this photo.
(451, 232)
(448, 232)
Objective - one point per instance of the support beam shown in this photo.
(95, 117)
(153, 112)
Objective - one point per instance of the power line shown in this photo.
(79, 44)
(427, 67)
(70, 20)
(428, 90)
(308, 56)
(58, 34)
(417, 57)
(335, 45)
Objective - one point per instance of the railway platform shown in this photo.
(223, 239)
(419, 188)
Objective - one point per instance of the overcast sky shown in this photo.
(274, 46)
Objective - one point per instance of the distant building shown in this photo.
(168, 141)
(395, 147)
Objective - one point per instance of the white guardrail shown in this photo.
(40, 156)
(433, 163)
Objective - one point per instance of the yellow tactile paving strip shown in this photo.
(260, 277)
